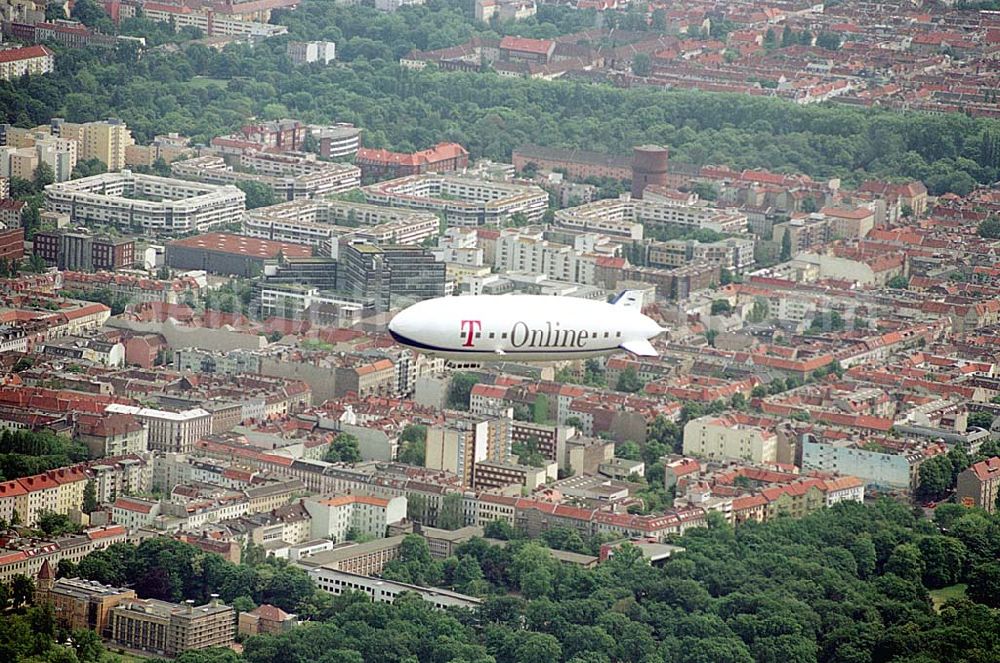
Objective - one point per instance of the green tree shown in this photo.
(786, 246)
(343, 449)
(721, 307)
(414, 444)
(89, 496)
(451, 515)
(828, 40)
(982, 420)
(898, 282)
(629, 381)
(460, 390)
(258, 194)
(641, 64)
(990, 227)
(43, 176)
(906, 562)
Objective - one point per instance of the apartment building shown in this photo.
(732, 253)
(105, 141)
(335, 517)
(458, 444)
(290, 177)
(29, 60)
(442, 158)
(491, 475)
(731, 436)
(625, 216)
(111, 434)
(322, 224)
(979, 485)
(339, 142)
(307, 52)
(147, 202)
(169, 431)
(464, 201)
(169, 629)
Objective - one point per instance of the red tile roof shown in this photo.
(15, 54)
(525, 45)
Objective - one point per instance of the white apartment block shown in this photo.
(210, 23)
(154, 204)
(385, 591)
(731, 436)
(307, 52)
(464, 201)
(169, 431)
(31, 60)
(289, 177)
(627, 217)
(525, 251)
(318, 223)
(334, 518)
(294, 303)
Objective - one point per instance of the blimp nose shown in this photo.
(403, 325)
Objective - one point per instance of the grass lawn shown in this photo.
(939, 596)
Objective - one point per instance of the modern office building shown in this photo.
(392, 276)
(146, 202)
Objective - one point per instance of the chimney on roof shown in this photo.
(190, 606)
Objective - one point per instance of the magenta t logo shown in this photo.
(469, 328)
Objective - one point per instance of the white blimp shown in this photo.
(525, 327)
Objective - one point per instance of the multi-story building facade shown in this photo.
(336, 517)
(463, 201)
(653, 215)
(147, 202)
(105, 141)
(337, 142)
(290, 177)
(78, 603)
(111, 434)
(83, 251)
(979, 485)
(323, 223)
(731, 436)
(169, 431)
(29, 60)
(307, 52)
(169, 629)
(389, 275)
(442, 158)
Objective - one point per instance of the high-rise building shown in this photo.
(391, 275)
(105, 141)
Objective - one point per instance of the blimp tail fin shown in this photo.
(628, 299)
(640, 347)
